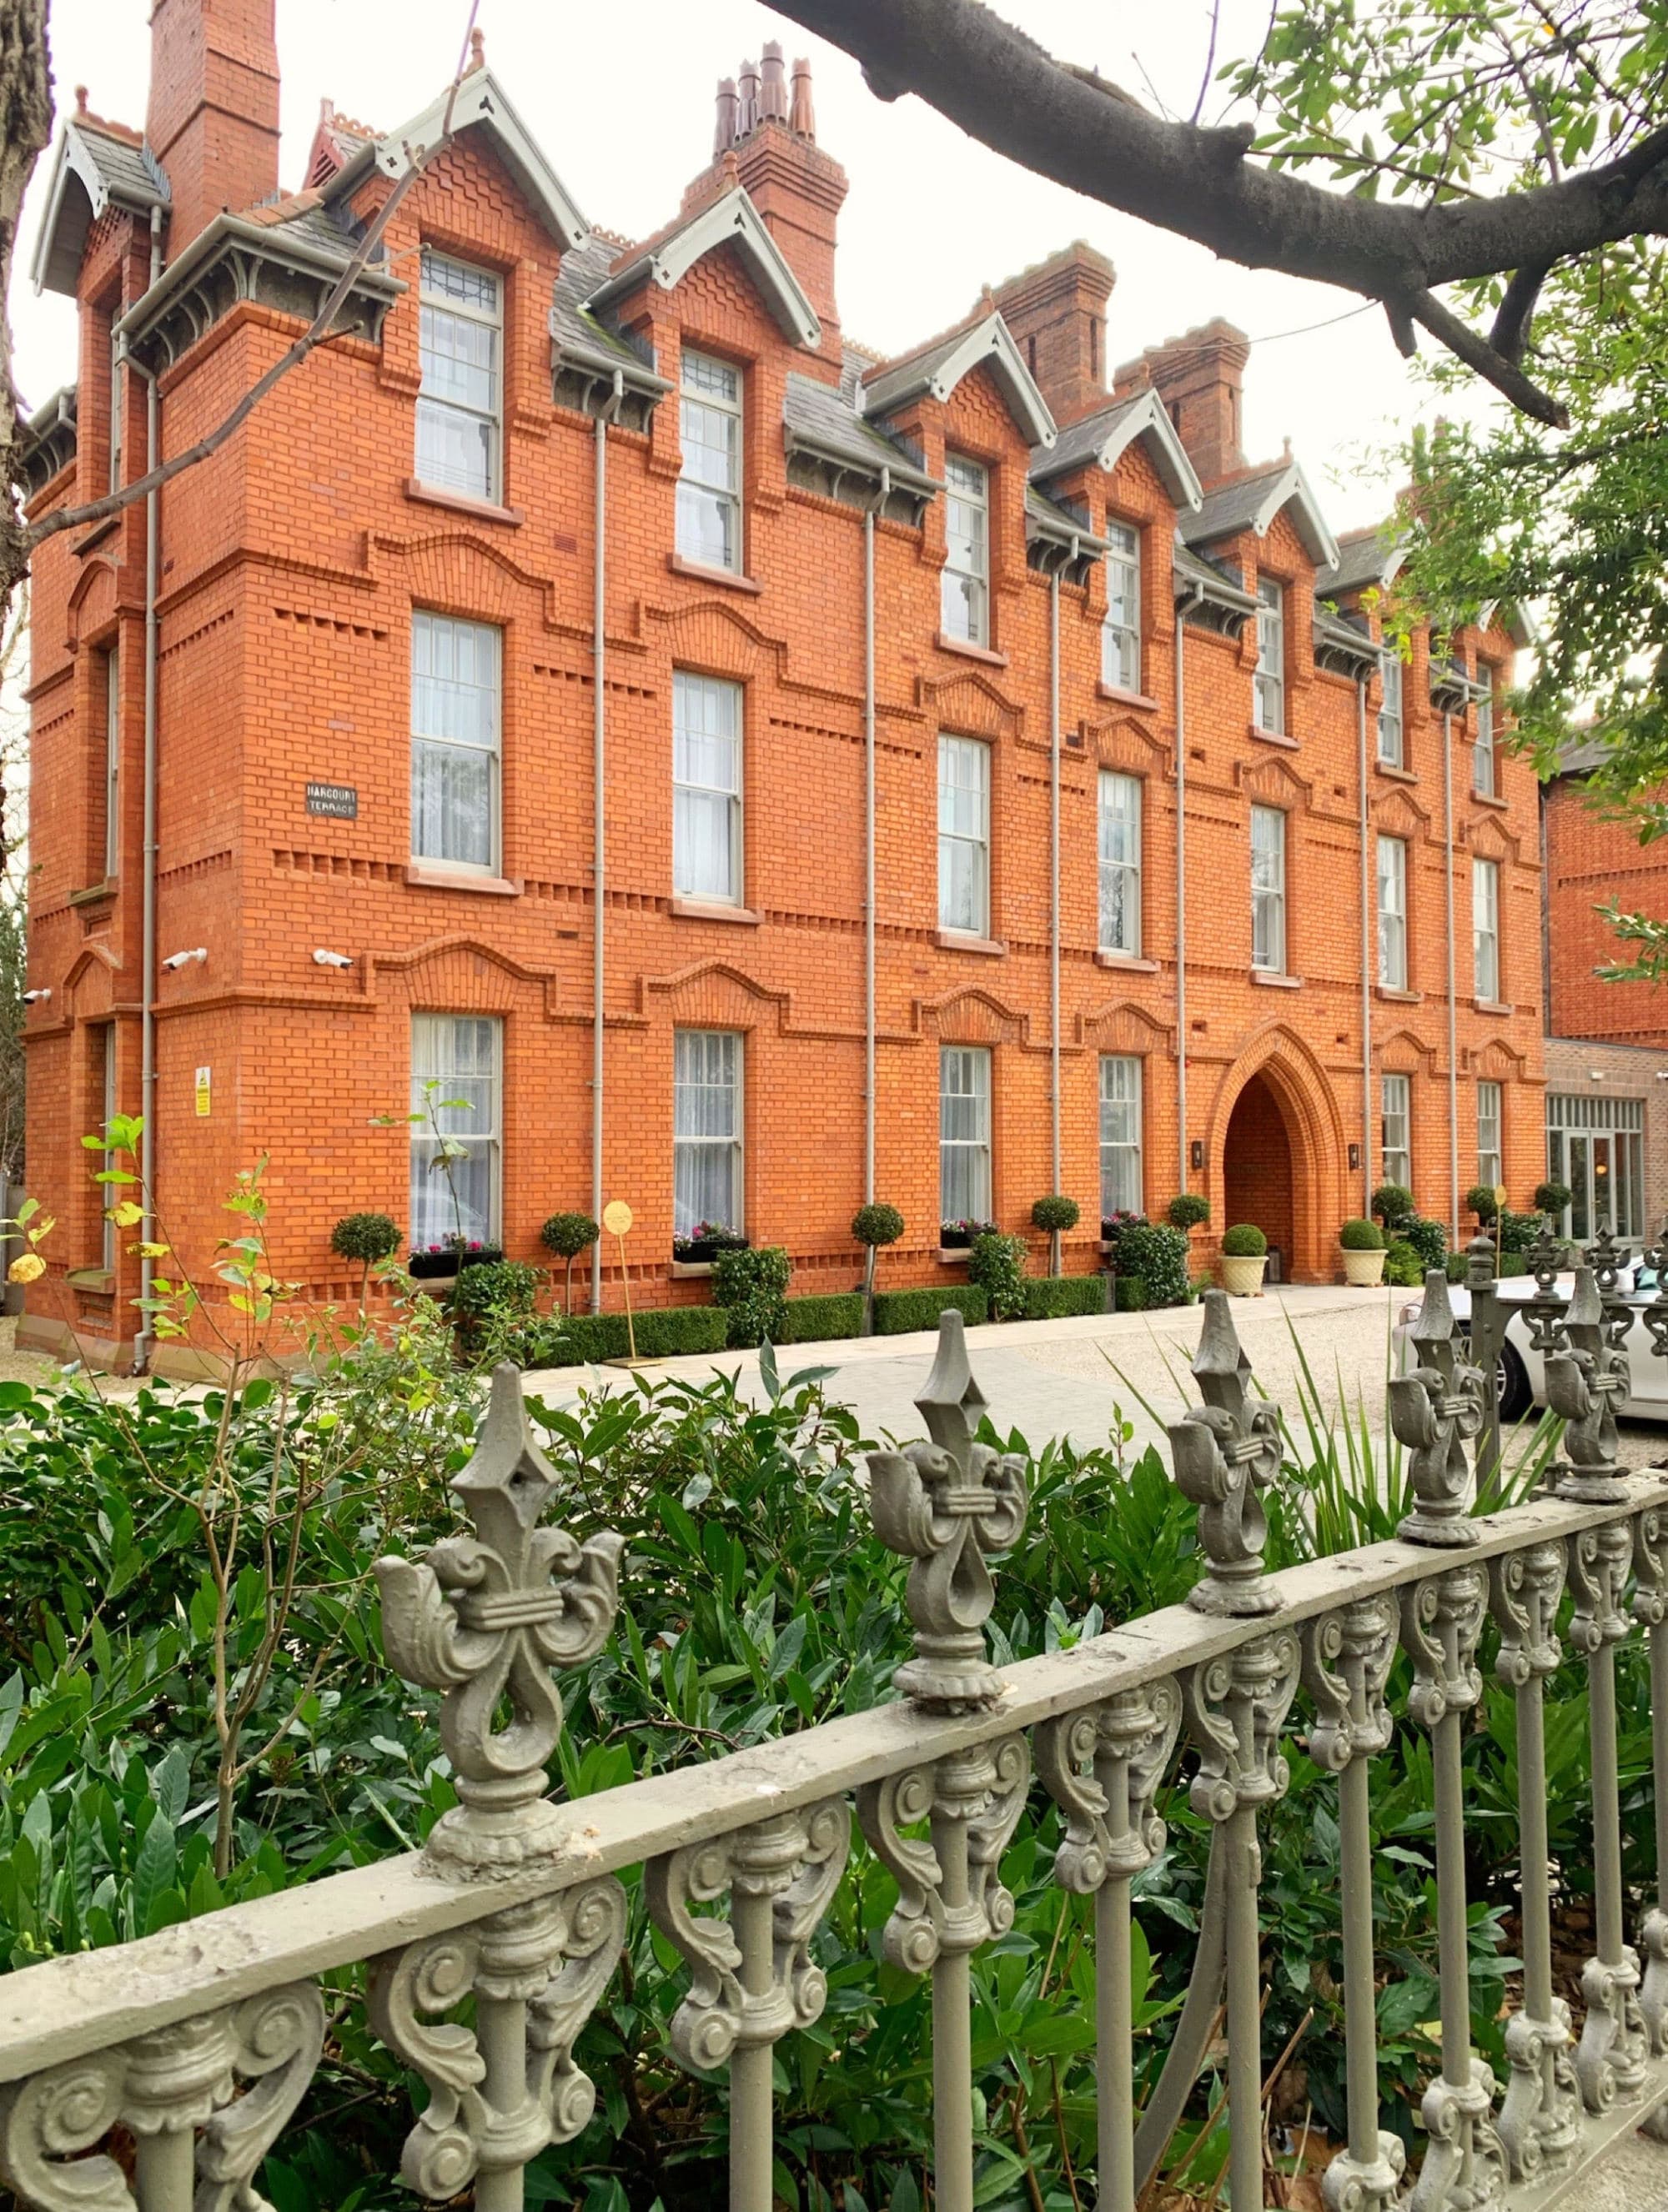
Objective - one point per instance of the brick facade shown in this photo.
(291, 568)
(1592, 860)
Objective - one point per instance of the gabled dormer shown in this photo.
(1100, 440)
(934, 371)
(1250, 503)
(730, 220)
(96, 166)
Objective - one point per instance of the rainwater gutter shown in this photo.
(599, 812)
(144, 1335)
(876, 506)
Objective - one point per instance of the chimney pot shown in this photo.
(773, 87)
(724, 125)
(747, 121)
(801, 115)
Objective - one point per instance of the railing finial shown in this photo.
(944, 1504)
(1585, 1382)
(1433, 1411)
(1224, 1451)
(485, 1618)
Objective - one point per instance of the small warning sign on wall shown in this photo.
(203, 1092)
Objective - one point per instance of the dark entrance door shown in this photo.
(1258, 1169)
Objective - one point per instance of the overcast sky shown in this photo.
(621, 101)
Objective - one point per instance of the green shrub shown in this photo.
(662, 1333)
(898, 1313)
(1157, 1255)
(751, 1283)
(1392, 1202)
(1360, 1237)
(367, 1237)
(1453, 1265)
(998, 1263)
(1480, 1201)
(1049, 1297)
(829, 1314)
(490, 1302)
(1244, 1241)
(1187, 1210)
(1552, 1197)
(1517, 1231)
(1512, 1263)
(1403, 1266)
(1056, 1214)
(1429, 1239)
(1129, 1294)
(568, 1235)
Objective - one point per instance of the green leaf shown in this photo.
(153, 1872)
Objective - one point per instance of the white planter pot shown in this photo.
(1364, 1269)
(1242, 1278)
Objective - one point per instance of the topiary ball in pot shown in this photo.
(1392, 1202)
(1363, 1244)
(367, 1237)
(1480, 1201)
(1056, 1215)
(1552, 1198)
(1244, 1257)
(568, 1235)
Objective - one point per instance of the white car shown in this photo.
(1521, 1381)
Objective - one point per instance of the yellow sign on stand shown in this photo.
(617, 1219)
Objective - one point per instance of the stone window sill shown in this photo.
(99, 1281)
(954, 1255)
(1269, 982)
(702, 574)
(1396, 774)
(1491, 798)
(423, 876)
(1389, 993)
(483, 510)
(1492, 1006)
(1121, 698)
(687, 1271)
(712, 910)
(1273, 738)
(957, 940)
(1131, 962)
(91, 893)
(968, 650)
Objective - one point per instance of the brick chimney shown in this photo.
(765, 123)
(1200, 377)
(212, 119)
(1057, 314)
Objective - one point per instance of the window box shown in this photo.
(956, 1237)
(445, 1259)
(693, 1253)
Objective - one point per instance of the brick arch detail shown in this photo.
(1401, 816)
(1274, 782)
(1314, 1130)
(971, 703)
(92, 602)
(1497, 1062)
(1490, 840)
(713, 994)
(1121, 1026)
(1401, 1053)
(463, 974)
(972, 1015)
(713, 634)
(456, 568)
(1127, 743)
(89, 985)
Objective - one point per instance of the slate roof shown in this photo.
(1251, 503)
(96, 165)
(581, 336)
(1078, 443)
(1365, 556)
(824, 419)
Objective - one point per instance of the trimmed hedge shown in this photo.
(1049, 1297)
(896, 1313)
(661, 1333)
(1129, 1293)
(811, 1319)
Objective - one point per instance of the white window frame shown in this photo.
(715, 387)
(699, 703)
(1268, 949)
(1120, 633)
(113, 761)
(1392, 733)
(1118, 822)
(1485, 930)
(1490, 1119)
(1575, 1125)
(963, 1071)
(431, 746)
(435, 302)
(965, 585)
(435, 1058)
(1122, 1158)
(952, 838)
(689, 1046)
(1395, 1107)
(1268, 684)
(1391, 875)
(1483, 778)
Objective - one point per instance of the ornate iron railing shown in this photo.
(200, 2042)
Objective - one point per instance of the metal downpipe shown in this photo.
(1453, 1026)
(875, 507)
(598, 813)
(1182, 612)
(1367, 955)
(1054, 870)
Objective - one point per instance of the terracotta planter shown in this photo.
(1365, 1270)
(1243, 1277)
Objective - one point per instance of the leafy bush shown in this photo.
(1244, 1241)
(1517, 1231)
(1129, 1294)
(1392, 1202)
(1360, 1236)
(568, 1235)
(998, 1264)
(1403, 1269)
(367, 1237)
(1552, 1197)
(750, 1283)
(825, 1314)
(1480, 1201)
(1512, 1263)
(1187, 1210)
(1056, 1214)
(899, 1313)
(1050, 1297)
(492, 1301)
(662, 1333)
(1453, 1266)
(1158, 1255)
(1429, 1239)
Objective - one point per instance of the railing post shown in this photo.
(1347, 1662)
(1433, 1411)
(1488, 1333)
(1607, 1259)
(1540, 2120)
(1651, 1608)
(484, 1619)
(1545, 1312)
(944, 1505)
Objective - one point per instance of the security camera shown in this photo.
(180, 959)
(326, 959)
(36, 997)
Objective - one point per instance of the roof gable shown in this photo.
(480, 101)
(1252, 502)
(935, 370)
(730, 220)
(91, 172)
(1101, 440)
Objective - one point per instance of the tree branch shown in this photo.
(1510, 333)
(1476, 353)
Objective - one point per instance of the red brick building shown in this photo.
(754, 773)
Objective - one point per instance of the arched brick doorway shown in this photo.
(1258, 1175)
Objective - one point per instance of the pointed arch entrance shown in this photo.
(1257, 1171)
(1277, 1152)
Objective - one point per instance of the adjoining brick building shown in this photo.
(756, 774)
(1606, 1044)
